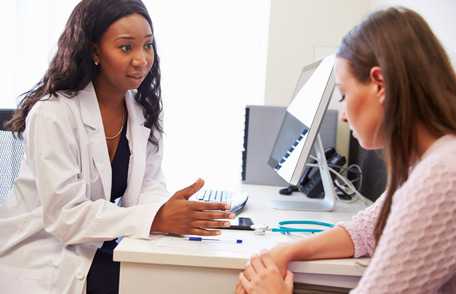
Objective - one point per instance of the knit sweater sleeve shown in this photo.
(361, 228)
(416, 251)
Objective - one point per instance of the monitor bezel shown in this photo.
(314, 128)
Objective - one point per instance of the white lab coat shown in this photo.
(59, 210)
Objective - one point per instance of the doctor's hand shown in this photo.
(181, 216)
(264, 277)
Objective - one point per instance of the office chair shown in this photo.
(11, 152)
(373, 167)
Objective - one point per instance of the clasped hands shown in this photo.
(184, 217)
(266, 273)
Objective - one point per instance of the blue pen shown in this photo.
(237, 241)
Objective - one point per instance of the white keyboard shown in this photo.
(237, 201)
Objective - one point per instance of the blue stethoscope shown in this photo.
(286, 227)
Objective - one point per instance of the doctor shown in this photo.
(92, 166)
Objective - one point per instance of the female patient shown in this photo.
(400, 95)
(92, 166)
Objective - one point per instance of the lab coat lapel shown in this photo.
(91, 116)
(137, 135)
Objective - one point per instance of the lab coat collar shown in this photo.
(137, 136)
(91, 118)
(135, 111)
(90, 110)
(91, 114)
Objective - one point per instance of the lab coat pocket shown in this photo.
(21, 280)
(11, 206)
(12, 233)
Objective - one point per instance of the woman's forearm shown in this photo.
(334, 243)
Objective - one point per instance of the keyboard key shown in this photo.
(236, 203)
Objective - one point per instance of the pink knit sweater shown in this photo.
(417, 251)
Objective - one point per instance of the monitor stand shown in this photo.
(300, 201)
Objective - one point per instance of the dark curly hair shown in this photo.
(72, 67)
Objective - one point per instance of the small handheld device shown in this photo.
(244, 223)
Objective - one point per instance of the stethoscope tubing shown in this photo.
(284, 226)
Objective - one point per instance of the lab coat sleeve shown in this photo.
(68, 212)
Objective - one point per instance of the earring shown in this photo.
(96, 62)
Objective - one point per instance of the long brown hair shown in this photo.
(420, 86)
(72, 67)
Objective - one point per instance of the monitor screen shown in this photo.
(302, 120)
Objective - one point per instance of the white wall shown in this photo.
(301, 32)
(440, 14)
(213, 61)
(8, 42)
(29, 31)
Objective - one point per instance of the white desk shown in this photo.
(174, 265)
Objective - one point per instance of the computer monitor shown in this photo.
(299, 133)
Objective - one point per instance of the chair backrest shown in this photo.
(5, 115)
(373, 167)
(11, 152)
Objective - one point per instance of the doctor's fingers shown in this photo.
(210, 215)
(210, 224)
(208, 205)
(203, 232)
(190, 190)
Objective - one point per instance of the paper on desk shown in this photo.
(226, 244)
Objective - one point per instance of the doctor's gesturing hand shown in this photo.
(181, 216)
